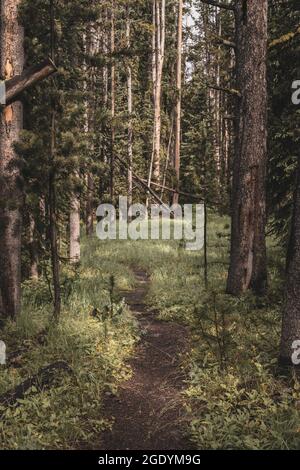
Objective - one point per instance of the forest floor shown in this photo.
(147, 412)
(158, 360)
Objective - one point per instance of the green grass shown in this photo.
(234, 397)
(69, 415)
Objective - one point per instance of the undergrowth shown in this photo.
(69, 414)
(235, 396)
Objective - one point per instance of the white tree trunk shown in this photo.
(130, 108)
(178, 99)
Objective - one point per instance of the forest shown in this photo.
(131, 343)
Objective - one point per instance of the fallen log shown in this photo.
(42, 380)
(143, 184)
(18, 84)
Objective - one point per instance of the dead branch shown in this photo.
(42, 380)
(231, 91)
(215, 3)
(18, 84)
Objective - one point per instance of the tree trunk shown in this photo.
(248, 245)
(129, 99)
(52, 190)
(178, 100)
(74, 229)
(33, 248)
(159, 41)
(53, 223)
(11, 198)
(291, 313)
(112, 84)
(89, 206)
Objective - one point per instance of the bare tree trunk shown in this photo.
(168, 157)
(105, 90)
(178, 99)
(53, 223)
(218, 99)
(33, 248)
(291, 313)
(93, 47)
(159, 31)
(52, 193)
(74, 229)
(129, 99)
(11, 198)
(248, 245)
(89, 206)
(113, 98)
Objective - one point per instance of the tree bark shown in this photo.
(178, 99)
(291, 313)
(159, 42)
(248, 246)
(129, 100)
(33, 248)
(89, 206)
(11, 198)
(53, 223)
(113, 99)
(74, 229)
(52, 190)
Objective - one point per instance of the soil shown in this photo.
(148, 412)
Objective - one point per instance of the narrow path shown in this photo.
(148, 411)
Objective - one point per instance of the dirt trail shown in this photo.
(147, 411)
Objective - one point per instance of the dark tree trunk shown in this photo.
(11, 198)
(291, 313)
(53, 224)
(89, 206)
(248, 247)
(33, 248)
(113, 105)
(52, 189)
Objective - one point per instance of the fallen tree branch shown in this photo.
(181, 193)
(231, 91)
(42, 380)
(143, 183)
(145, 186)
(18, 84)
(215, 3)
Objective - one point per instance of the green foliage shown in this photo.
(69, 414)
(235, 397)
(284, 115)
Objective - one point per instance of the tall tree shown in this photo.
(129, 100)
(178, 98)
(11, 197)
(291, 314)
(248, 246)
(74, 227)
(55, 263)
(159, 33)
(113, 99)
